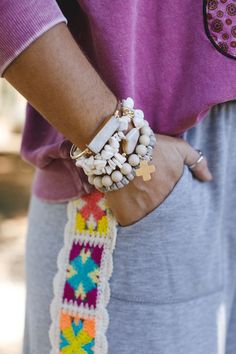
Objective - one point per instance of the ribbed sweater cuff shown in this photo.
(21, 23)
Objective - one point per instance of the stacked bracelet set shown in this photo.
(120, 150)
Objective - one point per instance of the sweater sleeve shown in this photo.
(21, 23)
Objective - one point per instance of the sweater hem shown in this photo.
(30, 41)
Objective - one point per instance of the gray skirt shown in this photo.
(173, 285)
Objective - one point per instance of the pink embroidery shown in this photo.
(221, 24)
(81, 285)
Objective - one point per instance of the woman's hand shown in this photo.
(138, 198)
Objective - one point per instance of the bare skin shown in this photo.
(140, 197)
(57, 79)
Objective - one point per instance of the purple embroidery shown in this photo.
(221, 25)
(83, 274)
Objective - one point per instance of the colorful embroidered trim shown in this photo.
(220, 25)
(81, 288)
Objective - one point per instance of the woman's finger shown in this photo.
(197, 163)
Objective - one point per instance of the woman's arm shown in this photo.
(57, 79)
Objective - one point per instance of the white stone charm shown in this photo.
(98, 157)
(127, 118)
(116, 176)
(80, 163)
(126, 168)
(138, 119)
(141, 150)
(133, 160)
(123, 124)
(91, 179)
(108, 170)
(139, 113)
(116, 162)
(87, 170)
(128, 103)
(106, 155)
(99, 164)
(98, 182)
(114, 142)
(146, 130)
(116, 136)
(130, 141)
(106, 181)
(144, 140)
(112, 164)
(120, 158)
(109, 148)
(103, 135)
(90, 161)
(97, 172)
(121, 135)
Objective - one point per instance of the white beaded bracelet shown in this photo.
(115, 155)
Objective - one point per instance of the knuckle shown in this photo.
(182, 143)
(182, 146)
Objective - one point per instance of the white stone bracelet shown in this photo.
(114, 155)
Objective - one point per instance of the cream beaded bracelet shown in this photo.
(115, 155)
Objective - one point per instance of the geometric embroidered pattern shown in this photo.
(91, 218)
(82, 274)
(81, 286)
(76, 334)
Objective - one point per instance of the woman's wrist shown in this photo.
(118, 153)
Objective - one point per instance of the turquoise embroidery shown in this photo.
(83, 274)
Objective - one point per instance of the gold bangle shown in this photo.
(87, 151)
(118, 109)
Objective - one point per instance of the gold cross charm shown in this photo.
(145, 170)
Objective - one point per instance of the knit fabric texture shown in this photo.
(81, 289)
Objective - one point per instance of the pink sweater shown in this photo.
(176, 59)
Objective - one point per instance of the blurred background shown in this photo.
(15, 183)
